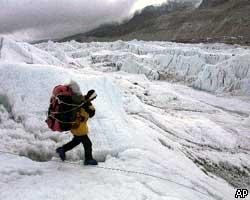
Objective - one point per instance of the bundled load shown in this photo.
(62, 111)
(65, 102)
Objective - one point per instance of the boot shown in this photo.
(61, 153)
(90, 162)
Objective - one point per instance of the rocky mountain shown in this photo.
(211, 3)
(139, 21)
(213, 21)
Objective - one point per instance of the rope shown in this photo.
(61, 120)
(67, 111)
(62, 102)
(153, 176)
(68, 104)
(124, 171)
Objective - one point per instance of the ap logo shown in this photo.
(241, 193)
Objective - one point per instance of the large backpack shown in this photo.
(63, 109)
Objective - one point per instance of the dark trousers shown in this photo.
(76, 141)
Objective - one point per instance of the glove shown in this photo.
(91, 95)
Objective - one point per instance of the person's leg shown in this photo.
(70, 145)
(87, 144)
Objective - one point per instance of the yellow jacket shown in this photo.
(81, 127)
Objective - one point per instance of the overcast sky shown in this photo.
(48, 19)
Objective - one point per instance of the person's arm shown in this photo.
(89, 108)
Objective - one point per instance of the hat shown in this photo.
(75, 87)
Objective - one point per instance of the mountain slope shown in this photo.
(137, 22)
(214, 21)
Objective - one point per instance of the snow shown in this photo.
(195, 142)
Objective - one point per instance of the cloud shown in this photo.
(139, 4)
(32, 20)
(42, 19)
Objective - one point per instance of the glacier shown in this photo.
(214, 68)
(179, 112)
